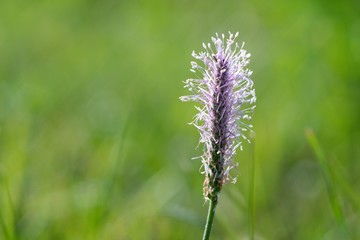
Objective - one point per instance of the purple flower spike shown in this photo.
(224, 91)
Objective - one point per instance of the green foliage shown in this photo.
(94, 142)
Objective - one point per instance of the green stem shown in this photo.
(210, 218)
(251, 192)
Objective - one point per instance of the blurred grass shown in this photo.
(94, 142)
(331, 186)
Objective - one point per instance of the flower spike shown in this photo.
(225, 97)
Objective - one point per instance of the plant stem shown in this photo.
(210, 218)
(251, 191)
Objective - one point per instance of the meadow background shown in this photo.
(94, 142)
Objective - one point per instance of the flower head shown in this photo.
(225, 97)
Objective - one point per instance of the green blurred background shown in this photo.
(94, 142)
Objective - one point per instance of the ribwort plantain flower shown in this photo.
(224, 91)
